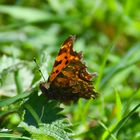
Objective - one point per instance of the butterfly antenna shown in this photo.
(39, 69)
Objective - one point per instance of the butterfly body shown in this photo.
(69, 79)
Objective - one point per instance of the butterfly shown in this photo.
(69, 79)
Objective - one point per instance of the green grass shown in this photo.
(107, 34)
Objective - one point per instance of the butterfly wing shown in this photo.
(65, 55)
(73, 82)
(69, 79)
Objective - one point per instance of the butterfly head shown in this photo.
(44, 86)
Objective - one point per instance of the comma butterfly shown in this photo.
(69, 79)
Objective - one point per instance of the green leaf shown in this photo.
(14, 99)
(55, 130)
(22, 13)
(5, 135)
(39, 109)
(130, 58)
(124, 120)
(118, 106)
(107, 132)
(113, 130)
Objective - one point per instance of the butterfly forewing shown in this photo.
(63, 58)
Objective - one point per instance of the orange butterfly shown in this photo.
(69, 79)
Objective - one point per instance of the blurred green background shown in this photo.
(108, 34)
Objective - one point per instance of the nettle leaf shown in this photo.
(43, 119)
(55, 130)
(39, 110)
